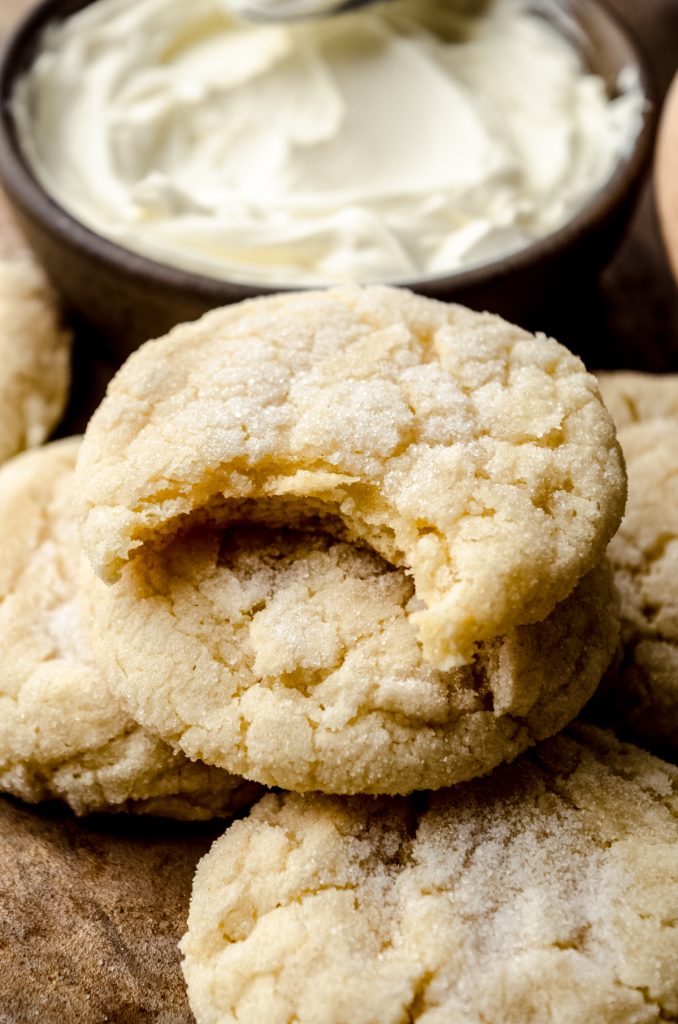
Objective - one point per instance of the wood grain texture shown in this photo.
(90, 916)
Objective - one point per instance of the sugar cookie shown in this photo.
(289, 658)
(635, 397)
(477, 456)
(61, 734)
(639, 698)
(34, 358)
(546, 894)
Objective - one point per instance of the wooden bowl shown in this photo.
(666, 175)
(128, 298)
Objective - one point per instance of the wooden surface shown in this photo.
(666, 174)
(90, 911)
(90, 916)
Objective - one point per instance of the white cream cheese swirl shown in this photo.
(406, 140)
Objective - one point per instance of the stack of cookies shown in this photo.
(351, 545)
(353, 540)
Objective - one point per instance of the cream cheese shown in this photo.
(407, 140)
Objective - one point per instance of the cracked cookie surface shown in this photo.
(633, 397)
(639, 697)
(546, 894)
(290, 658)
(475, 455)
(34, 358)
(61, 734)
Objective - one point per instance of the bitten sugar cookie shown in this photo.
(34, 358)
(640, 696)
(635, 397)
(289, 658)
(61, 734)
(547, 894)
(475, 455)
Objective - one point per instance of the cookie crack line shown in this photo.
(508, 436)
(350, 708)
(588, 733)
(648, 1000)
(93, 758)
(534, 907)
(418, 1002)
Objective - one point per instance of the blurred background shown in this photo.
(628, 319)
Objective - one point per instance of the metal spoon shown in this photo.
(271, 11)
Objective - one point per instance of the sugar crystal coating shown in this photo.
(34, 358)
(546, 894)
(640, 696)
(290, 658)
(634, 397)
(61, 733)
(477, 456)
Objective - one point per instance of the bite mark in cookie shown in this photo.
(290, 658)
(474, 455)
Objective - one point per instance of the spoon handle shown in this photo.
(666, 175)
(276, 11)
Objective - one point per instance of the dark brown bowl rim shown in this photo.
(27, 191)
